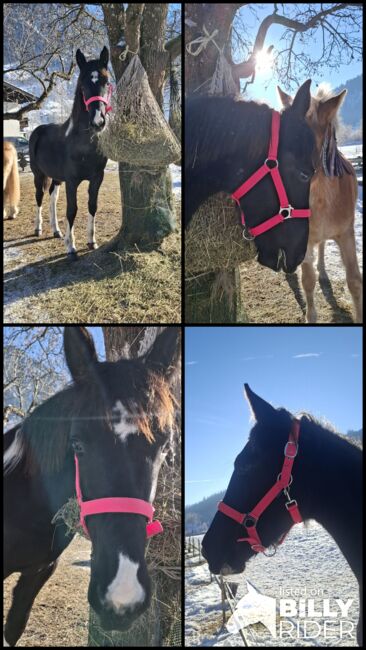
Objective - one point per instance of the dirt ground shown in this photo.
(59, 617)
(270, 297)
(42, 285)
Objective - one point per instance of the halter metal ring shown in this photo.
(245, 232)
(288, 209)
(274, 160)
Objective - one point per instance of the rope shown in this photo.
(123, 55)
(202, 42)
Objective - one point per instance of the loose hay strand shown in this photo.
(214, 240)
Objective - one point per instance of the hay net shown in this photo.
(137, 131)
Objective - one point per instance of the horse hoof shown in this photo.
(57, 234)
(73, 257)
(92, 246)
(38, 232)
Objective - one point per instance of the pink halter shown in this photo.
(100, 99)
(115, 504)
(286, 210)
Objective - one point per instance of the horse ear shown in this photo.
(80, 59)
(262, 410)
(163, 355)
(80, 352)
(285, 99)
(329, 108)
(301, 103)
(104, 57)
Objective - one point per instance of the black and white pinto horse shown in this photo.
(326, 485)
(68, 152)
(116, 418)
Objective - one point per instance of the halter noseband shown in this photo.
(98, 98)
(115, 504)
(286, 210)
(249, 521)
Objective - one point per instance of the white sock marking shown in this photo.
(91, 229)
(69, 239)
(38, 219)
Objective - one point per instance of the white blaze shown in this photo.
(126, 425)
(94, 76)
(125, 591)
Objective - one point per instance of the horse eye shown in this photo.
(304, 176)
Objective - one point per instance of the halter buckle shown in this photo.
(290, 442)
(288, 209)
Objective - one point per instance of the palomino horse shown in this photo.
(230, 146)
(69, 152)
(292, 469)
(333, 197)
(11, 181)
(103, 439)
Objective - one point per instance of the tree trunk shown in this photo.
(128, 342)
(147, 198)
(205, 297)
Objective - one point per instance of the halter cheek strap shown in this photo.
(249, 521)
(115, 504)
(270, 166)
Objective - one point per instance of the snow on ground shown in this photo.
(309, 558)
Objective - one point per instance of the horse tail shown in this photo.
(33, 145)
(11, 177)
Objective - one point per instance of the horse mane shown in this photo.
(220, 133)
(43, 438)
(321, 429)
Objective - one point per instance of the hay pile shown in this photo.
(137, 131)
(214, 240)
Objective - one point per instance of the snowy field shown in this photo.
(309, 559)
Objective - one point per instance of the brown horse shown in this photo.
(11, 181)
(333, 196)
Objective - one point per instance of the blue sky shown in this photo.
(314, 369)
(334, 76)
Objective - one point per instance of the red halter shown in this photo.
(97, 98)
(284, 480)
(286, 211)
(115, 504)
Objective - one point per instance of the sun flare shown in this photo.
(264, 61)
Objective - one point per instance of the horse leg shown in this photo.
(347, 246)
(39, 182)
(308, 279)
(25, 591)
(71, 210)
(54, 192)
(321, 262)
(94, 186)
